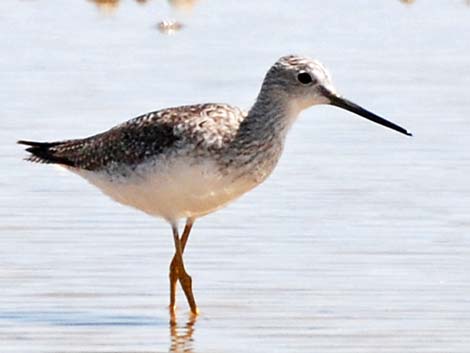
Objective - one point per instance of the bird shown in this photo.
(183, 163)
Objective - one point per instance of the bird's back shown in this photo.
(204, 127)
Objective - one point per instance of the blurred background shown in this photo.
(359, 241)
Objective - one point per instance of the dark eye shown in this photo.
(304, 78)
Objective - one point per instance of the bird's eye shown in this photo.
(304, 78)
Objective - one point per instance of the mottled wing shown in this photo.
(142, 138)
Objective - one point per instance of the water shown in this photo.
(360, 240)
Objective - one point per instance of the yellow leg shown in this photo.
(178, 272)
(174, 267)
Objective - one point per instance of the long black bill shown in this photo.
(353, 107)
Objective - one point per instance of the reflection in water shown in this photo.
(467, 2)
(182, 4)
(182, 335)
(111, 5)
(169, 27)
(165, 26)
(106, 5)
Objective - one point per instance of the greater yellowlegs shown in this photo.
(186, 162)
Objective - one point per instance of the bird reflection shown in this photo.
(182, 4)
(169, 27)
(412, 1)
(106, 5)
(182, 335)
(111, 5)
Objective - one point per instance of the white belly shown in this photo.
(175, 190)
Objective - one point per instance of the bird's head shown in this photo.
(303, 82)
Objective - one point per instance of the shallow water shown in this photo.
(360, 240)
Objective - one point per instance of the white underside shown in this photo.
(173, 190)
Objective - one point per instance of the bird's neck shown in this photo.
(259, 141)
(269, 119)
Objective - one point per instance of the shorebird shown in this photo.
(185, 162)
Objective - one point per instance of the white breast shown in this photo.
(173, 190)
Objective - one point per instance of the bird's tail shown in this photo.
(45, 152)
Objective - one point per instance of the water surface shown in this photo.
(359, 242)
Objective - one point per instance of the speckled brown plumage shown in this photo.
(206, 126)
